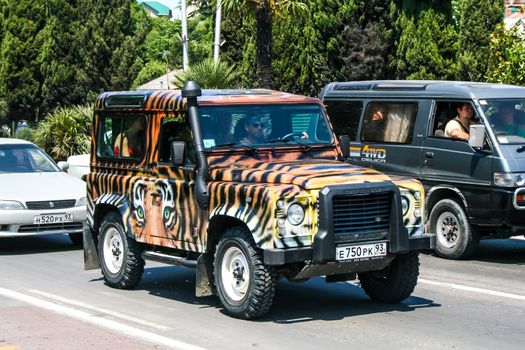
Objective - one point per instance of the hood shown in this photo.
(41, 186)
(308, 174)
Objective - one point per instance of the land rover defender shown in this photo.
(246, 186)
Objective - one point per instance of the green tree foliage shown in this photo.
(507, 56)
(478, 20)
(150, 71)
(65, 131)
(427, 46)
(264, 12)
(20, 75)
(163, 43)
(210, 75)
(25, 134)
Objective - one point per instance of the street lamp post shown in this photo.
(217, 41)
(184, 36)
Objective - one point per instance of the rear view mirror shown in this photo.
(344, 142)
(63, 166)
(476, 136)
(178, 153)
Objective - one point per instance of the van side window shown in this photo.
(122, 137)
(173, 129)
(345, 116)
(389, 122)
(445, 112)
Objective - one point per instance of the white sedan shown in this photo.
(36, 197)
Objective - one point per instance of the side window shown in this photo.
(389, 122)
(173, 129)
(122, 137)
(446, 113)
(345, 116)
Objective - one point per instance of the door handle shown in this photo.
(429, 154)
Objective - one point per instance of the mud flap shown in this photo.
(90, 249)
(204, 285)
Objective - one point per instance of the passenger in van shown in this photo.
(459, 127)
(375, 123)
(508, 120)
(131, 139)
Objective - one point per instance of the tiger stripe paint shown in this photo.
(157, 201)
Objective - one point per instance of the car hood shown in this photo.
(25, 187)
(308, 174)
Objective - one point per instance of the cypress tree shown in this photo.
(478, 20)
(20, 78)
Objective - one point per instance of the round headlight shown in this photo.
(519, 180)
(404, 204)
(295, 214)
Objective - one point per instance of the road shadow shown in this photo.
(501, 251)
(293, 302)
(36, 244)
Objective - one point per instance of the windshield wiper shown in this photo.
(237, 143)
(278, 140)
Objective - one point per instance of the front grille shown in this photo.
(69, 226)
(68, 203)
(362, 215)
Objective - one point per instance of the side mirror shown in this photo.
(476, 136)
(63, 166)
(344, 142)
(178, 153)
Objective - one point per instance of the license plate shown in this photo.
(52, 219)
(361, 251)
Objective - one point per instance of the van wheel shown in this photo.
(395, 282)
(245, 285)
(120, 256)
(456, 239)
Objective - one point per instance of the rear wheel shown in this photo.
(455, 238)
(245, 285)
(120, 256)
(394, 283)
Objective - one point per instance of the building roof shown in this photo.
(161, 83)
(157, 7)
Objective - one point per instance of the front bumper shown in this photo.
(326, 240)
(18, 223)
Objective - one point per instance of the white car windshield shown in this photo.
(25, 159)
(506, 117)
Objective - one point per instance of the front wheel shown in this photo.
(245, 285)
(455, 238)
(120, 256)
(394, 283)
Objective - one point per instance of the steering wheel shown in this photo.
(291, 135)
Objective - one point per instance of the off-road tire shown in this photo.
(76, 238)
(125, 270)
(394, 283)
(455, 237)
(235, 245)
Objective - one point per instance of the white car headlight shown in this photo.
(81, 202)
(11, 205)
(405, 204)
(509, 179)
(295, 214)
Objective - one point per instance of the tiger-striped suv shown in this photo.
(247, 186)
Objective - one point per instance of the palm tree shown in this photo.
(210, 75)
(264, 11)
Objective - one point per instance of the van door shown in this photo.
(453, 163)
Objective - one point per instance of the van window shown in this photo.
(389, 122)
(122, 137)
(445, 112)
(345, 116)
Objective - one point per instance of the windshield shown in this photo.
(507, 118)
(24, 159)
(264, 125)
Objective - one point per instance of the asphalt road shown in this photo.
(47, 301)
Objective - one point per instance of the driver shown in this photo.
(254, 128)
